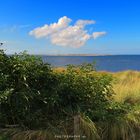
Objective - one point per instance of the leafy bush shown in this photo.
(41, 101)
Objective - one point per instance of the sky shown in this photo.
(70, 26)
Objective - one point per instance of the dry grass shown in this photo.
(127, 86)
(59, 69)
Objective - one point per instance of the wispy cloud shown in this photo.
(64, 34)
(13, 28)
(19, 27)
(98, 34)
(24, 26)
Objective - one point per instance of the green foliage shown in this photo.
(42, 102)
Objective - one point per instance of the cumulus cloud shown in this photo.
(48, 30)
(72, 36)
(64, 34)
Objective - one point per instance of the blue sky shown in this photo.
(118, 19)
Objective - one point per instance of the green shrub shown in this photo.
(41, 101)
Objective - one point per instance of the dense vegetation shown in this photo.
(39, 103)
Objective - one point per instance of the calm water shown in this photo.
(106, 63)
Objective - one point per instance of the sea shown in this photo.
(111, 63)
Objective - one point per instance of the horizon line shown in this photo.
(72, 54)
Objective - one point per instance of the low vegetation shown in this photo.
(38, 102)
(127, 86)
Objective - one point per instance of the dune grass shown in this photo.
(127, 86)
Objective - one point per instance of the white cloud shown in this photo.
(64, 34)
(72, 36)
(48, 30)
(98, 34)
(83, 23)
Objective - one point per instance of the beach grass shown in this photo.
(127, 86)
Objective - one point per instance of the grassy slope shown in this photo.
(127, 86)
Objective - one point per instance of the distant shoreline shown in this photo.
(86, 54)
(78, 54)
